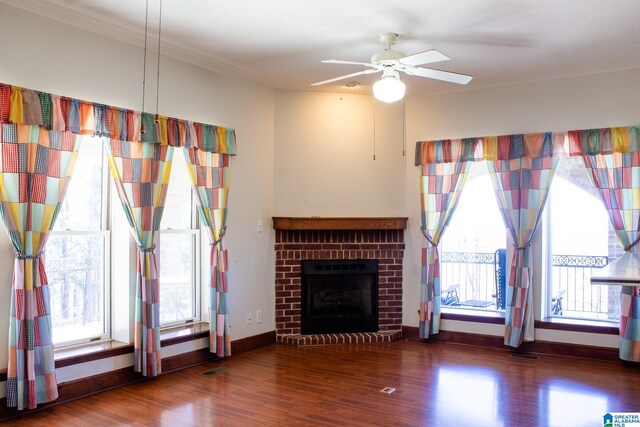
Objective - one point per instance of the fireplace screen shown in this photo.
(339, 296)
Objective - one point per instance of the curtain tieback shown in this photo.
(222, 233)
(635, 242)
(145, 250)
(521, 248)
(22, 255)
(426, 235)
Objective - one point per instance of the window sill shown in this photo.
(477, 316)
(496, 317)
(578, 325)
(87, 352)
(105, 349)
(183, 333)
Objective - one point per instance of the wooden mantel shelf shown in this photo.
(342, 223)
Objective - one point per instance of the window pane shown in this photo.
(582, 241)
(77, 253)
(82, 208)
(75, 269)
(177, 210)
(177, 250)
(177, 290)
(469, 244)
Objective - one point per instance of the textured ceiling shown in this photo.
(280, 43)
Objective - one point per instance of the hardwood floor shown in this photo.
(436, 385)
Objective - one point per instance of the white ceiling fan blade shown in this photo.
(339, 61)
(335, 79)
(426, 57)
(447, 76)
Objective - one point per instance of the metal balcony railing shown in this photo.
(571, 276)
(474, 272)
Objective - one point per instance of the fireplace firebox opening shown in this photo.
(339, 296)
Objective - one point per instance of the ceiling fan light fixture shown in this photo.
(389, 88)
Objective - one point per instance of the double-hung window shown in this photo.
(178, 248)
(77, 253)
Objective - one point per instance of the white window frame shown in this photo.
(105, 233)
(470, 309)
(547, 277)
(194, 232)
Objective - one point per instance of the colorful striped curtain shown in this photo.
(521, 185)
(141, 174)
(440, 186)
(209, 173)
(140, 163)
(521, 167)
(615, 171)
(35, 171)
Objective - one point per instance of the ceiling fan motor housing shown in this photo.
(387, 57)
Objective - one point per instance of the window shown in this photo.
(77, 253)
(468, 256)
(178, 250)
(580, 240)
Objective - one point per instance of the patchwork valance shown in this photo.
(540, 145)
(604, 141)
(59, 113)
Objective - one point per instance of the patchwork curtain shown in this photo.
(440, 186)
(521, 167)
(38, 147)
(141, 174)
(35, 171)
(612, 158)
(209, 173)
(521, 186)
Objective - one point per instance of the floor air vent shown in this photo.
(525, 356)
(214, 371)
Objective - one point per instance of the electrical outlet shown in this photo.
(258, 316)
(249, 319)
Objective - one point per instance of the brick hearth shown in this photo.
(294, 245)
(348, 338)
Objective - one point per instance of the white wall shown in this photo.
(601, 100)
(46, 55)
(324, 155)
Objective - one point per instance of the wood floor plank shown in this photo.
(436, 385)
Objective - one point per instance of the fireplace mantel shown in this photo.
(339, 223)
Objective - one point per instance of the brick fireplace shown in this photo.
(300, 239)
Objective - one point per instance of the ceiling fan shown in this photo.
(390, 62)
